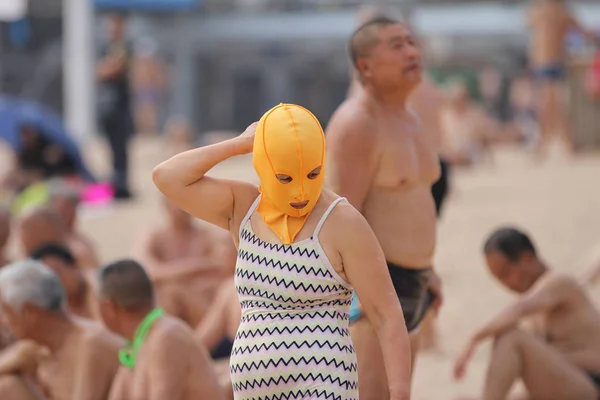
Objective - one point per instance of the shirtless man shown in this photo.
(427, 101)
(383, 163)
(560, 359)
(218, 329)
(80, 298)
(550, 21)
(468, 129)
(43, 224)
(65, 200)
(165, 361)
(58, 356)
(186, 263)
(5, 221)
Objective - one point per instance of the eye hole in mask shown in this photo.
(284, 178)
(314, 174)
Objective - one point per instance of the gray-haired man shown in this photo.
(57, 355)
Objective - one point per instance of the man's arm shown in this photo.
(147, 253)
(360, 249)
(545, 296)
(21, 357)
(213, 327)
(351, 157)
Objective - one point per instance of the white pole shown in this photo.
(79, 68)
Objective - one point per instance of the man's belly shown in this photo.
(546, 51)
(405, 225)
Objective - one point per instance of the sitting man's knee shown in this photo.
(507, 338)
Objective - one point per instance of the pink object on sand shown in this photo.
(98, 193)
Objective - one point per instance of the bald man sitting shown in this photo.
(164, 360)
(58, 356)
(187, 263)
(43, 224)
(66, 199)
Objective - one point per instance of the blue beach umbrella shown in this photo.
(15, 113)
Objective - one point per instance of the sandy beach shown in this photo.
(557, 202)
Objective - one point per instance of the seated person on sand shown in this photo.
(6, 338)
(560, 358)
(37, 160)
(217, 330)
(80, 297)
(58, 356)
(43, 224)
(5, 221)
(467, 130)
(164, 361)
(187, 262)
(65, 199)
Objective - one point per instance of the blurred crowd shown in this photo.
(65, 317)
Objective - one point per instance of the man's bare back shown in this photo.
(170, 365)
(85, 365)
(402, 166)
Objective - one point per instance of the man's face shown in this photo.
(68, 275)
(116, 27)
(395, 61)
(67, 208)
(512, 274)
(18, 322)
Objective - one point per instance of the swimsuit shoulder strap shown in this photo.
(251, 210)
(326, 214)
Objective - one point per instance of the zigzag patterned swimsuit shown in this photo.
(293, 341)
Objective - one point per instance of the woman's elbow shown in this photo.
(159, 177)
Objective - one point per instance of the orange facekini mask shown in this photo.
(289, 143)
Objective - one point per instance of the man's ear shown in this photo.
(362, 67)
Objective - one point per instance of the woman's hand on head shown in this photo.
(246, 139)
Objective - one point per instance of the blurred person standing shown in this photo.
(550, 21)
(114, 101)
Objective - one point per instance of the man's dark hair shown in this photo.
(365, 38)
(54, 250)
(511, 242)
(126, 284)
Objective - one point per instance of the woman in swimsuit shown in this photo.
(302, 250)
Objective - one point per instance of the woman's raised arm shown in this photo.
(218, 201)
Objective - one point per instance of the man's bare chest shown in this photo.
(407, 157)
(56, 376)
(173, 246)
